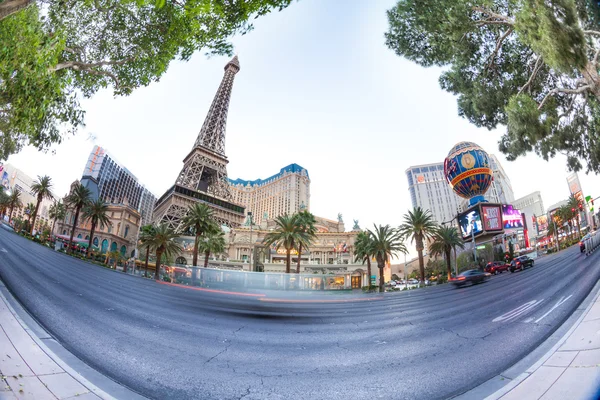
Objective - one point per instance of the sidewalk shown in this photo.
(29, 370)
(570, 370)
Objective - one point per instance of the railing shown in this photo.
(591, 244)
(235, 280)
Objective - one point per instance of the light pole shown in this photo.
(473, 241)
(405, 274)
(251, 243)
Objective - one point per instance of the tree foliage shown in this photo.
(53, 52)
(531, 65)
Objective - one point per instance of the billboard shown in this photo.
(511, 217)
(492, 218)
(542, 223)
(470, 222)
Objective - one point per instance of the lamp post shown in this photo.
(405, 274)
(473, 241)
(251, 243)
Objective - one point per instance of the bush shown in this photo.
(442, 279)
(369, 289)
(167, 278)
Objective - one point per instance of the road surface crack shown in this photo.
(218, 354)
(465, 337)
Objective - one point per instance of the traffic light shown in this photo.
(580, 207)
(573, 209)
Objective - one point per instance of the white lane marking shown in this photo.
(528, 320)
(553, 308)
(517, 312)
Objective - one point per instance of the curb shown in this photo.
(594, 295)
(78, 377)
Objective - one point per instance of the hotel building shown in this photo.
(286, 192)
(109, 180)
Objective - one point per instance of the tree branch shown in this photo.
(91, 68)
(536, 68)
(588, 32)
(493, 18)
(563, 90)
(498, 45)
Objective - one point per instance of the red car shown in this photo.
(496, 267)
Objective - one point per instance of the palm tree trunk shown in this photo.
(299, 256)
(69, 251)
(37, 206)
(380, 265)
(195, 255)
(89, 252)
(421, 261)
(206, 254)
(157, 270)
(10, 215)
(146, 262)
(369, 272)
(288, 260)
(578, 226)
(53, 223)
(448, 254)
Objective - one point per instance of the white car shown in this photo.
(392, 283)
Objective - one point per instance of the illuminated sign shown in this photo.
(511, 217)
(470, 223)
(492, 218)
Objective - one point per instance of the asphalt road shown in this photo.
(169, 342)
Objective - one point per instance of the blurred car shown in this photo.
(520, 263)
(413, 281)
(7, 227)
(582, 242)
(496, 267)
(472, 276)
(392, 283)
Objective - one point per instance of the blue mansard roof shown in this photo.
(290, 168)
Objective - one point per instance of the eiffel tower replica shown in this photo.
(203, 178)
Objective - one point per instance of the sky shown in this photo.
(317, 87)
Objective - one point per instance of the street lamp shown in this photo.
(251, 243)
(473, 241)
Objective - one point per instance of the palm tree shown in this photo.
(146, 236)
(40, 188)
(306, 223)
(97, 213)
(14, 201)
(565, 215)
(213, 241)
(386, 242)
(199, 219)
(420, 226)
(77, 199)
(4, 203)
(444, 240)
(574, 203)
(163, 242)
(288, 235)
(57, 211)
(363, 251)
(29, 210)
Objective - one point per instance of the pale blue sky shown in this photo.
(317, 87)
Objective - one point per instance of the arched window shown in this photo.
(87, 237)
(104, 248)
(95, 242)
(64, 231)
(126, 231)
(113, 246)
(79, 236)
(181, 260)
(123, 250)
(132, 253)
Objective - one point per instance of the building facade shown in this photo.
(429, 190)
(120, 235)
(286, 192)
(500, 190)
(15, 179)
(109, 180)
(532, 206)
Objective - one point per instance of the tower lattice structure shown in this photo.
(203, 177)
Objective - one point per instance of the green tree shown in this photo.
(386, 242)
(4, 201)
(531, 65)
(41, 189)
(445, 239)
(97, 213)
(419, 226)
(287, 234)
(14, 201)
(29, 210)
(53, 52)
(163, 242)
(145, 239)
(77, 199)
(213, 242)
(576, 205)
(363, 251)
(306, 223)
(57, 211)
(199, 219)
